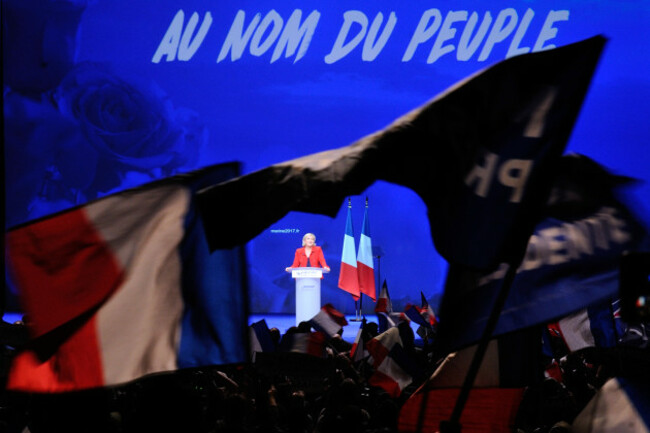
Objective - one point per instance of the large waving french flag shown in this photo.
(125, 286)
(348, 278)
(365, 265)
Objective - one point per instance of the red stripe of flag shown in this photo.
(365, 264)
(348, 278)
(53, 261)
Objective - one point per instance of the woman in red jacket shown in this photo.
(309, 255)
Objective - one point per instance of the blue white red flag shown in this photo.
(349, 277)
(414, 314)
(260, 338)
(386, 321)
(423, 315)
(427, 311)
(358, 350)
(386, 318)
(310, 343)
(126, 286)
(598, 325)
(365, 262)
(383, 302)
(393, 368)
(328, 320)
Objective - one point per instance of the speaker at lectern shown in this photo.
(307, 291)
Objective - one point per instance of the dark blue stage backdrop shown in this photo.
(102, 95)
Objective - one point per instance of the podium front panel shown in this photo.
(307, 298)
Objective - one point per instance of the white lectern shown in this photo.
(307, 292)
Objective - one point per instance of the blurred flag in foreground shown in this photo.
(480, 152)
(572, 259)
(126, 286)
(509, 365)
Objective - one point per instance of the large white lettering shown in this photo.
(371, 46)
(548, 31)
(177, 40)
(237, 39)
(423, 32)
(295, 34)
(468, 45)
(503, 26)
(469, 34)
(262, 33)
(507, 26)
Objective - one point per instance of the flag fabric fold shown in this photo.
(348, 276)
(394, 369)
(386, 318)
(599, 325)
(427, 311)
(365, 262)
(383, 304)
(572, 259)
(309, 343)
(260, 338)
(328, 320)
(480, 152)
(508, 366)
(414, 314)
(358, 351)
(126, 286)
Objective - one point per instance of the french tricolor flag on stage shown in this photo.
(348, 278)
(365, 264)
(125, 286)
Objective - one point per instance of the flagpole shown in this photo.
(356, 305)
(359, 313)
(453, 425)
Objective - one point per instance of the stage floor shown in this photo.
(280, 321)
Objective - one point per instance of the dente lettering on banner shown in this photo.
(571, 241)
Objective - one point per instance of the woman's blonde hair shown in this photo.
(305, 237)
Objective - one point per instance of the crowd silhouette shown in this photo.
(288, 392)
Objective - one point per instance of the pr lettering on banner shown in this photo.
(454, 31)
(510, 173)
